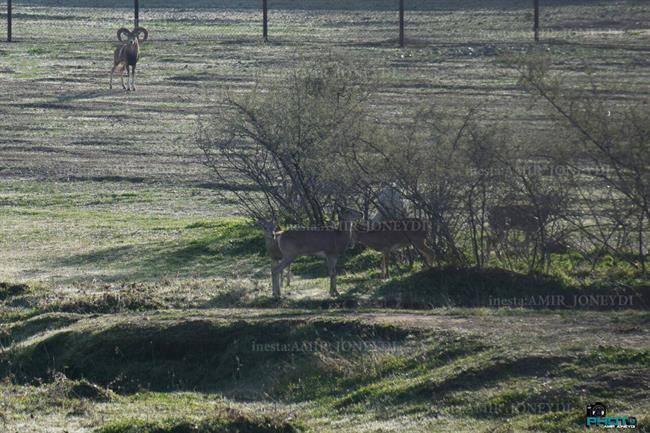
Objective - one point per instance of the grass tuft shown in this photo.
(225, 421)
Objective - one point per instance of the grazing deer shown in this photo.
(328, 243)
(526, 219)
(522, 217)
(127, 55)
(389, 236)
(272, 248)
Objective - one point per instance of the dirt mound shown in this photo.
(61, 389)
(495, 287)
(24, 329)
(192, 354)
(89, 391)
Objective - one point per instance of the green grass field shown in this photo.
(135, 298)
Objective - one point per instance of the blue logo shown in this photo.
(597, 417)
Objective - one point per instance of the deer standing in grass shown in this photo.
(127, 55)
(528, 221)
(273, 250)
(388, 236)
(524, 218)
(319, 242)
(390, 230)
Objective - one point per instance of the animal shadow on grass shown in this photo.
(445, 287)
(68, 97)
(495, 287)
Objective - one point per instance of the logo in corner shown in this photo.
(597, 416)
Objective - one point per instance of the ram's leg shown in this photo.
(122, 77)
(128, 78)
(133, 78)
(115, 67)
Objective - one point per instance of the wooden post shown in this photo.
(401, 23)
(136, 15)
(536, 24)
(265, 20)
(9, 20)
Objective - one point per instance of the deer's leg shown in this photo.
(276, 277)
(331, 266)
(497, 242)
(289, 275)
(279, 275)
(409, 257)
(281, 264)
(276, 271)
(275, 282)
(426, 252)
(387, 264)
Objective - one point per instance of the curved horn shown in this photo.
(122, 31)
(143, 31)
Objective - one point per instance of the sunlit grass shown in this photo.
(109, 217)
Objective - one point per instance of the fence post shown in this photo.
(9, 20)
(401, 23)
(536, 24)
(136, 15)
(265, 20)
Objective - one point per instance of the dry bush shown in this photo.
(281, 148)
(605, 151)
(309, 144)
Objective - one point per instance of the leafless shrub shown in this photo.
(297, 151)
(288, 142)
(606, 149)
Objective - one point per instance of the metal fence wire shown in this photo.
(334, 22)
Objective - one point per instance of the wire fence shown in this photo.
(409, 23)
